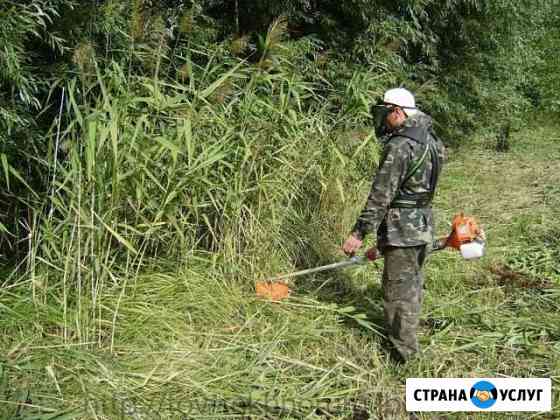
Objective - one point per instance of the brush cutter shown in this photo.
(466, 236)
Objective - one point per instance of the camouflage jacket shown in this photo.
(400, 226)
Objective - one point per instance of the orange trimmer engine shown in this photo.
(464, 230)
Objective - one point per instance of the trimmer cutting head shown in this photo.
(274, 291)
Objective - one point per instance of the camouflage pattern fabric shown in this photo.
(400, 226)
(402, 296)
(404, 235)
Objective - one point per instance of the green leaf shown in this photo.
(6, 167)
(118, 237)
(172, 147)
(212, 88)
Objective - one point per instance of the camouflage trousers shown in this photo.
(402, 295)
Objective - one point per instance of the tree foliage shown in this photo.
(473, 64)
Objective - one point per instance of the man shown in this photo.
(398, 208)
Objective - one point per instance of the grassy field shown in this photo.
(187, 341)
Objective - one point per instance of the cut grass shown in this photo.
(190, 342)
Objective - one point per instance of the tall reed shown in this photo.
(230, 167)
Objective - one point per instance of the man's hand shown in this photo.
(351, 245)
(372, 254)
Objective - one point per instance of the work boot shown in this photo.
(396, 357)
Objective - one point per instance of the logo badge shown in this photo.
(483, 394)
(479, 394)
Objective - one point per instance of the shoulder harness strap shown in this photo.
(420, 135)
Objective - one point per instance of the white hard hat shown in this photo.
(401, 97)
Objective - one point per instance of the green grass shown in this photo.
(188, 339)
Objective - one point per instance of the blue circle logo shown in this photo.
(483, 394)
